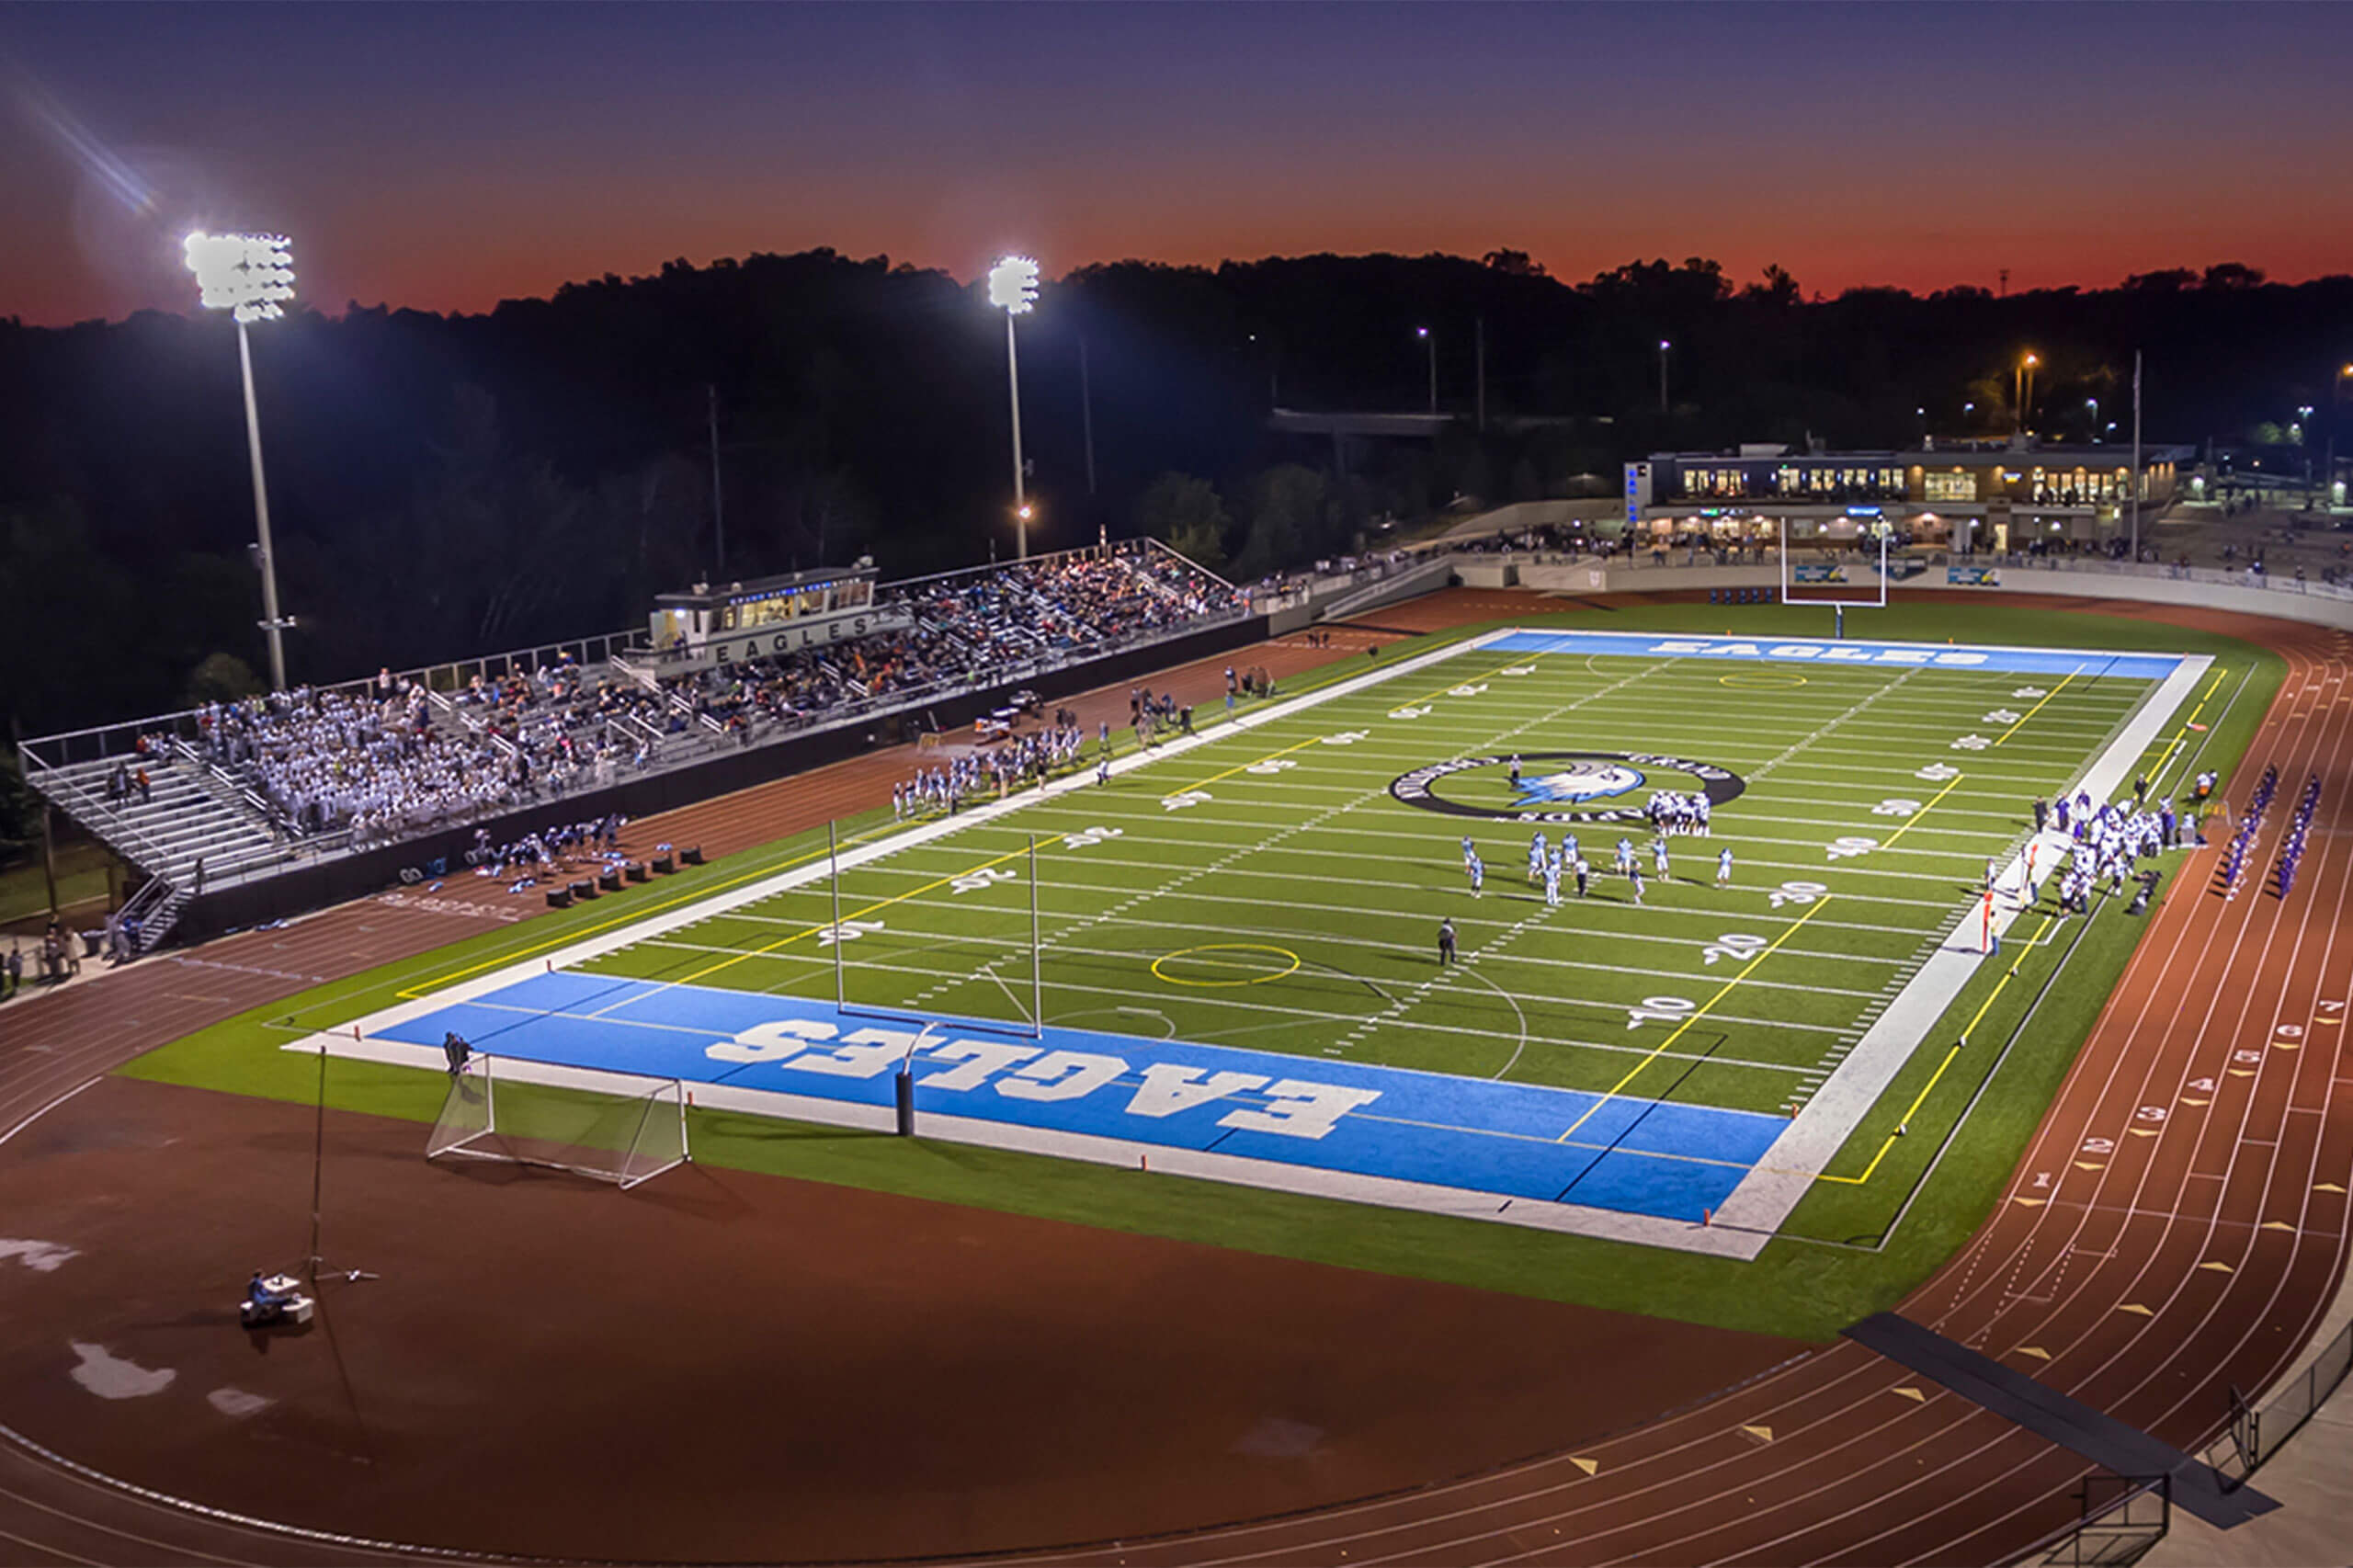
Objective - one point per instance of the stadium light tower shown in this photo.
(248, 276)
(1012, 287)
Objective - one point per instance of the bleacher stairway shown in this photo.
(192, 817)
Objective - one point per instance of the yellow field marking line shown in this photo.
(415, 992)
(1922, 1097)
(1242, 766)
(2030, 713)
(788, 939)
(1923, 811)
(1821, 905)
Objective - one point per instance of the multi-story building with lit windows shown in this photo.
(1965, 496)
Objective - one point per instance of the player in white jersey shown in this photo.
(1625, 857)
(1536, 856)
(1552, 884)
(1478, 872)
(1723, 866)
(1658, 857)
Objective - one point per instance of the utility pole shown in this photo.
(1479, 342)
(2136, 455)
(1086, 413)
(718, 511)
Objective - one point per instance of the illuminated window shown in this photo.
(1954, 486)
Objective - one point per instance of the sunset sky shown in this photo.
(448, 157)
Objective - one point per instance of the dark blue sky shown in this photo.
(447, 157)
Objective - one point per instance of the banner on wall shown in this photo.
(1974, 576)
(1818, 572)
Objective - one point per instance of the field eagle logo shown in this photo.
(1596, 779)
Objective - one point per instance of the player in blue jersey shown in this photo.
(1723, 866)
(1478, 872)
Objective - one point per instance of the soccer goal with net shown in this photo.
(619, 1127)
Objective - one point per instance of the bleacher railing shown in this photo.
(2255, 1434)
(48, 760)
(2121, 1518)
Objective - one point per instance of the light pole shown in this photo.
(2093, 404)
(248, 276)
(2335, 397)
(1663, 346)
(1431, 344)
(2023, 389)
(1012, 287)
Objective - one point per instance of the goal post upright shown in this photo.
(1838, 607)
(833, 882)
(1037, 948)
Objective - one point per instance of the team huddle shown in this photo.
(1549, 863)
(1021, 761)
(2106, 843)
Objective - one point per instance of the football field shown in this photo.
(1235, 971)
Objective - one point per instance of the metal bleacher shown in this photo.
(192, 828)
(202, 828)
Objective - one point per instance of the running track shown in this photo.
(1853, 1471)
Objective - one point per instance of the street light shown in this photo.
(2023, 389)
(2335, 397)
(249, 275)
(1013, 287)
(2093, 404)
(1663, 346)
(1431, 344)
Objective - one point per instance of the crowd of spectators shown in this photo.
(387, 760)
(966, 627)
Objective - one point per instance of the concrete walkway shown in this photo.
(2312, 1479)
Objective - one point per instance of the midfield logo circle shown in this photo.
(1560, 785)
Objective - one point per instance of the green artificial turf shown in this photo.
(1292, 908)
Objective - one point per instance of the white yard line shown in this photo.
(1762, 1200)
(1787, 1171)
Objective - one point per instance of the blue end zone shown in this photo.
(2085, 666)
(1513, 1140)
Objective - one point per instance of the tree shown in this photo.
(1514, 262)
(1287, 520)
(221, 678)
(2232, 275)
(1779, 289)
(1186, 512)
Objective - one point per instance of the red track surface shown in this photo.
(2101, 1257)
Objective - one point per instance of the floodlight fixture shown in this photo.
(248, 275)
(1013, 285)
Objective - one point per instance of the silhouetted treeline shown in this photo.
(446, 486)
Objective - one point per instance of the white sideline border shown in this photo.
(1742, 1227)
(1786, 1172)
